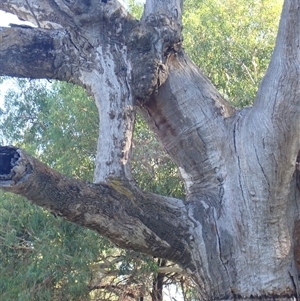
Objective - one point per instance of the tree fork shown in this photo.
(238, 229)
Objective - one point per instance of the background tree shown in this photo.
(54, 125)
(218, 239)
(232, 42)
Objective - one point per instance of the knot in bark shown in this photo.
(149, 46)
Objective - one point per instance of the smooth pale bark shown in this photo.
(238, 231)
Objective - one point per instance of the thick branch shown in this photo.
(277, 107)
(188, 114)
(172, 9)
(38, 12)
(151, 43)
(270, 130)
(130, 218)
(54, 14)
(90, 51)
(37, 53)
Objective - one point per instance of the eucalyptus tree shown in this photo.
(237, 231)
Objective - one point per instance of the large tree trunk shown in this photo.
(237, 233)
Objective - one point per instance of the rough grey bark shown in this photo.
(110, 208)
(237, 233)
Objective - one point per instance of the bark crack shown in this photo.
(295, 279)
(298, 170)
(238, 157)
(82, 45)
(220, 249)
(258, 161)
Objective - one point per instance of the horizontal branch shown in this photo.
(170, 270)
(149, 223)
(38, 12)
(56, 14)
(82, 30)
(36, 53)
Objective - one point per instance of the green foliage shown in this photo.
(45, 258)
(41, 257)
(56, 122)
(232, 42)
(135, 8)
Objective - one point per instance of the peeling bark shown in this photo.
(237, 232)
